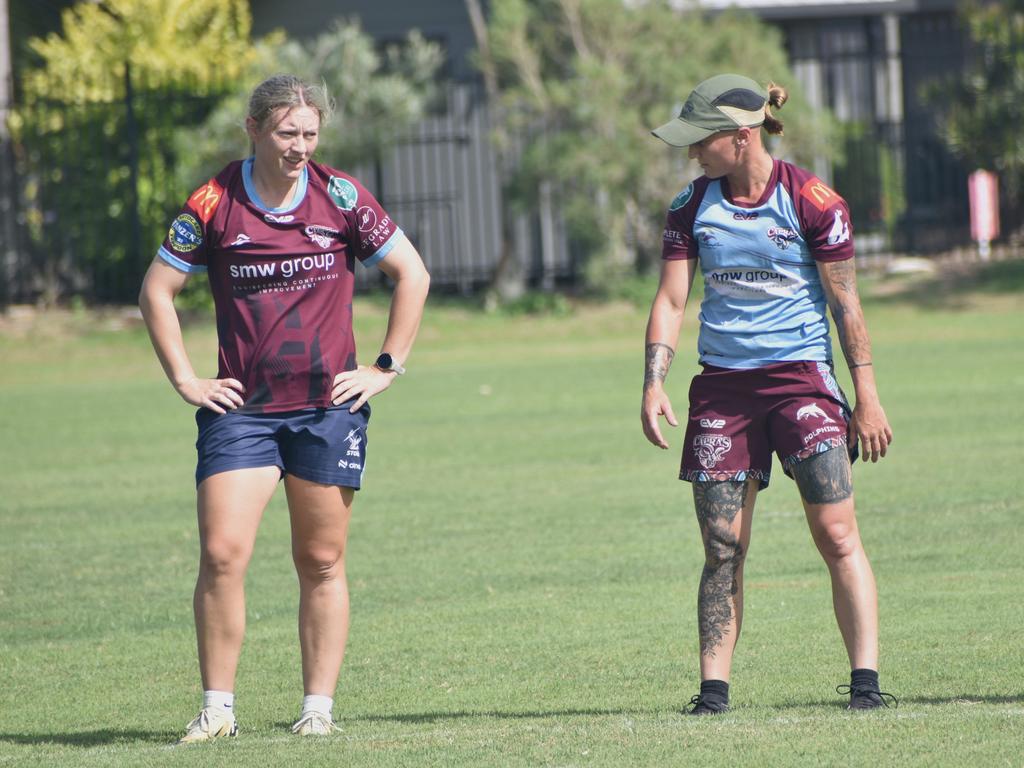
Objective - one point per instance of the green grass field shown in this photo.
(523, 566)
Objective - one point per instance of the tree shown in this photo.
(128, 81)
(508, 281)
(583, 81)
(160, 40)
(93, 129)
(378, 96)
(983, 109)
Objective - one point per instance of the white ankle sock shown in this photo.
(224, 700)
(321, 704)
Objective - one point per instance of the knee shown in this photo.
(837, 541)
(223, 557)
(318, 563)
(723, 550)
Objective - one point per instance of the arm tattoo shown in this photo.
(840, 278)
(659, 359)
(717, 505)
(825, 478)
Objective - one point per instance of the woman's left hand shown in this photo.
(364, 382)
(870, 427)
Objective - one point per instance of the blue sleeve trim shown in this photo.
(385, 249)
(178, 264)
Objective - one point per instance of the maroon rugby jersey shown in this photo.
(281, 278)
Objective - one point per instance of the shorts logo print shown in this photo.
(813, 410)
(712, 423)
(354, 439)
(711, 449)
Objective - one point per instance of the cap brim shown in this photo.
(679, 133)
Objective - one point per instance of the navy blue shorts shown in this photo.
(322, 445)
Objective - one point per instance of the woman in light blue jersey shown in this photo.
(775, 248)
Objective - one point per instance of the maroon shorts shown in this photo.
(739, 416)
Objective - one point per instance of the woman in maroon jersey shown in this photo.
(278, 236)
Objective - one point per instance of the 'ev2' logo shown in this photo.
(712, 423)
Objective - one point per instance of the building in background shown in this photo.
(868, 61)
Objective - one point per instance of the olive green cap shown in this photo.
(720, 103)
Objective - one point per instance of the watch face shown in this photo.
(384, 362)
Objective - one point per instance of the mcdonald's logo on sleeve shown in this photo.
(819, 194)
(204, 200)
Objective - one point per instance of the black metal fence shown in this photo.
(94, 185)
(94, 188)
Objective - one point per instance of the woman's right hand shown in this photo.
(215, 394)
(655, 404)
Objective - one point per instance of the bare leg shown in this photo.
(826, 487)
(320, 516)
(230, 507)
(724, 512)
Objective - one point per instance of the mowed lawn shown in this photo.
(523, 565)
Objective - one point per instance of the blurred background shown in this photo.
(510, 139)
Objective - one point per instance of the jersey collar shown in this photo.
(250, 189)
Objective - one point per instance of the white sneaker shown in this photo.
(315, 724)
(210, 723)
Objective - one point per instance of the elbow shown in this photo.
(144, 299)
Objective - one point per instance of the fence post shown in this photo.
(132, 134)
(8, 180)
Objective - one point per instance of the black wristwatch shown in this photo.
(387, 363)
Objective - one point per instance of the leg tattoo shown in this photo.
(825, 478)
(717, 505)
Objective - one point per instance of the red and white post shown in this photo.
(983, 193)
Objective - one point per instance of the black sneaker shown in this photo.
(706, 706)
(867, 698)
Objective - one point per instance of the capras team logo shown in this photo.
(322, 236)
(712, 423)
(711, 449)
(812, 410)
(781, 236)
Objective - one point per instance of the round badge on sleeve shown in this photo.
(343, 193)
(682, 198)
(185, 234)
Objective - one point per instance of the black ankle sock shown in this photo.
(715, 690)
(864, 678)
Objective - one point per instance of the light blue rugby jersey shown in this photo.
(763, 298)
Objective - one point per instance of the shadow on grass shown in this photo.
(107, 736)
(87, 739)
(953, 287)
(433, 717)
(962, 698)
